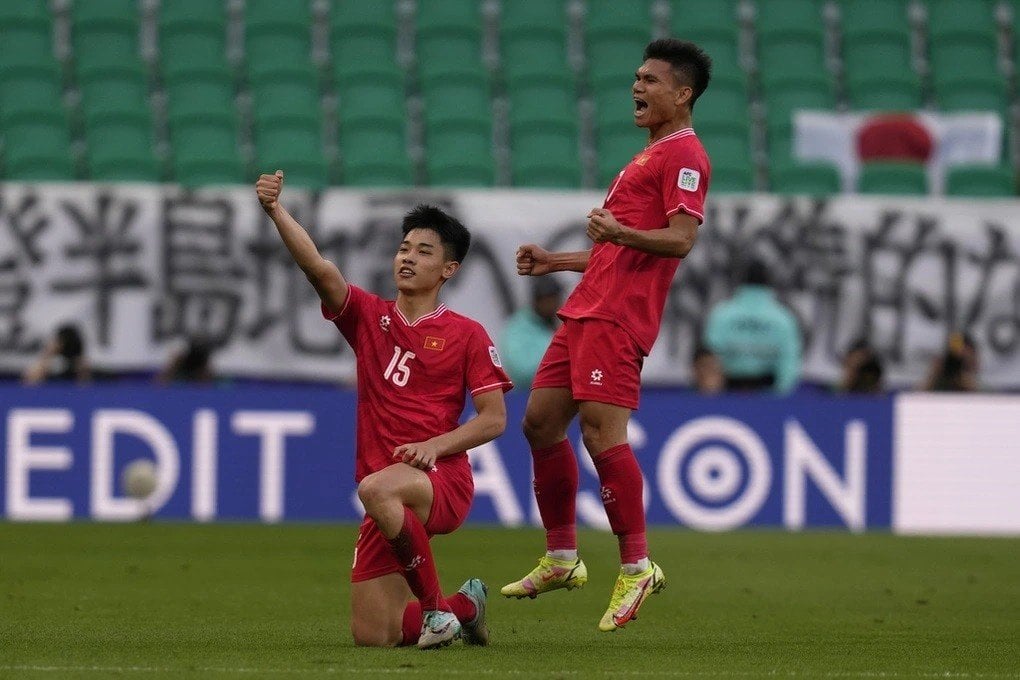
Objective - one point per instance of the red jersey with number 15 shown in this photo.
(627, 286)
(412, 377)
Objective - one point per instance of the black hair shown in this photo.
(756, 273)
(454, 236)
(71, 343)
(691, 65)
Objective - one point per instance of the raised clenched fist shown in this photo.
(268, 189)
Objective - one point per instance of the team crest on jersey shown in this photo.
(384, 322)
(688, 179)
(494, 355)
(642, 159)
(434, 343)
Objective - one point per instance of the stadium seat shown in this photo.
(24, 14)
(121, 149)
(961, 18)
(205, 16)
(277, 41)
(192, 95)
(357, 17)
(616, 34)
(716, 19)
(373, 155)
(801, 56)
(459, 158)
(113, 93)
(781, 18)
(105, 15)
(438, 17)
(543, 100)
(363, 100)
(893, 178)
(452, 102)
(291, 95)
(814, 179)
(544, 157)
(783, 98)
(184, 50)
(27, 91)
(204, 144)
(727, 143)
(884, 93)
(25, 45)
(200, 172)
(524, 57)
(534, 19)
(725, 54)
(293, 145)
(724, 100)
(963, 56)
(874, 19)
(728, 178)
(978, 92)
(614, 106)
(869, 56)
(449, 39)
(96, 51)
(615, 148)
(978, 180)
(38, 149)
(359, 56)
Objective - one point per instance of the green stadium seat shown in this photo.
(544, 157)
(614, 62)
(32, 13)
(906, 179)
(200, 16)
(204, 141)
(287, 96)
(608, 19)
(780, 141)
(964, 56)
(725, 54)
(872, 55)
(295, 147)
(541, 101)
(715, 19)
(884, 93)
(727, 143)
(459, 158)
(266, 17)
(29, 90)
(357, 56)
(728, 178)
(978, 92)
(201, 172)
(357, 17)
(444, 17)
(121, 149)
(270, 54)
(183, 50)
(547, 19)
(193, 95)
(102, 50)
(371, 99)
(875, 19)
(105, 15)
(113, 93)
(961, 18)
(449, 56)
(374, 155)
(454, 102)
(783, 98)
(614, 107)
(38, 149)
(26, 46)
(984, 181)
(814, 179)
(615, 148)
(778, 18)
(796, 56)
(724, 100)
(525, 57)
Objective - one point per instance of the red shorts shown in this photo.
(452, 492)
(596, 359)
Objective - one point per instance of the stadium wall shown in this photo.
(913, 463)
(142, 266)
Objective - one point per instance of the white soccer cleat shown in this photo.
(438, 629)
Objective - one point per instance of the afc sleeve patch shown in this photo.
(494, 355)
(688, 179)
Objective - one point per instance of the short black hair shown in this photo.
(691, 65)
(756, 273)
(72, 345)
(454, 236)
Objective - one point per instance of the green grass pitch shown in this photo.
(245, 601)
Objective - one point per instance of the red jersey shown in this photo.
(625, 285)
(412, 377)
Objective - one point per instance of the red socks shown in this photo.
(556, 492)
(622, 490)
(462, 607)
(411, 546)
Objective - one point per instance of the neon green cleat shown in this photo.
(628, 595)
(550, 574)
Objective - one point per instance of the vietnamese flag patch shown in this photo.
(435, 343)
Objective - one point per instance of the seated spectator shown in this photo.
(862, 370)
(62, 359)
(755, 337)
(955, 370)
(707, 372)
(190, 365)
(527, 333)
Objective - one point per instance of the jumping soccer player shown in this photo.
(416, 359)
(648, 222)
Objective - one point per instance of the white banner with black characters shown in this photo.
(141, 267)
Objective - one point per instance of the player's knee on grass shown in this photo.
(371, 634)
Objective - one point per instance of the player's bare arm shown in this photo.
(329, 283)
(533, 260)
(676, 240)
(488, 424)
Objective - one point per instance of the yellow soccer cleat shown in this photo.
(630, 592)
(550, 574)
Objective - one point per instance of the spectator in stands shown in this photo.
(707, 372)
(190, 365)
(755, 337)
(527, 333)
(956, 369)
(62, 359)
(862, 370)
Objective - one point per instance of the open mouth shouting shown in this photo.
(640, 107)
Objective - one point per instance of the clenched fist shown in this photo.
(533, 260)
(268, 189)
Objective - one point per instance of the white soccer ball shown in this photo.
(139, 478)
